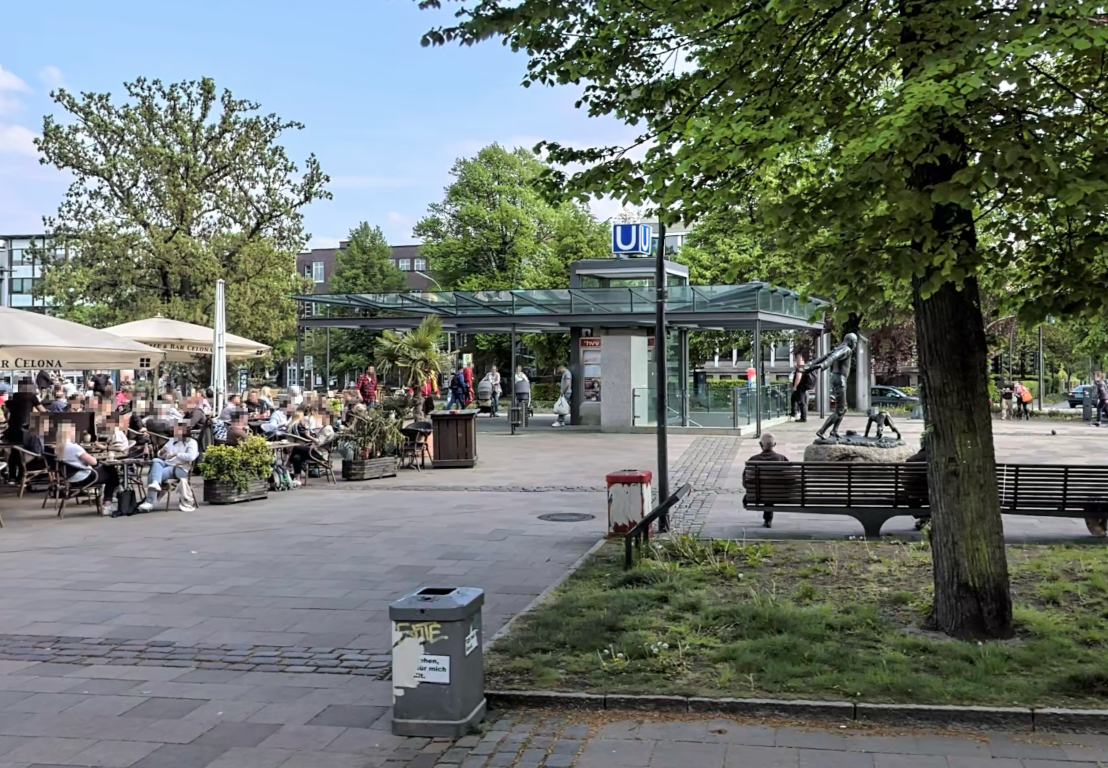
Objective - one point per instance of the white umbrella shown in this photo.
(219, 345)
(30, 341)
(182, 342)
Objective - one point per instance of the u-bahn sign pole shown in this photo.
(660, 372)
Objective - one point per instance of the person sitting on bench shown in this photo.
(768, 443)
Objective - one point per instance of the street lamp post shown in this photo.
(660, 372)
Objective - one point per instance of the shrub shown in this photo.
(252, 459)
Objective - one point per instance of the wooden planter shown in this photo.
(368, 469)
(223, 492)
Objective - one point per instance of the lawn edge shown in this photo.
(542, 596)
(1045, 719)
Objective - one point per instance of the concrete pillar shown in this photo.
(863, 374)
(756, 354)
(575, 368)
(625, 360)
(824, 393)
(683, 380)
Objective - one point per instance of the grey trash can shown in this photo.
(438, 669)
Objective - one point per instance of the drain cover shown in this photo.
(566, 517)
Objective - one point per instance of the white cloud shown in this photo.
(10, 83)
(17, 140)
(51, 76)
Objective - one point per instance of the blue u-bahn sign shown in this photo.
(631, 239)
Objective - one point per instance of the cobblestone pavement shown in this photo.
(529, 740)
(705, 464)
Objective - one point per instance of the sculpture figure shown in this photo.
(838, 362)
(881, 419)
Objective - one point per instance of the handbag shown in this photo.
(561, 407)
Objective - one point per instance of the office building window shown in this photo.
(405, 265)
(307, 270)
(23, 285)
(317, 271)
(420, 265)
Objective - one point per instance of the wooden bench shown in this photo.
(875, 493)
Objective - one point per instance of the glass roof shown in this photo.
(685, 303)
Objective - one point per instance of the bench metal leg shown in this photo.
(872, 521)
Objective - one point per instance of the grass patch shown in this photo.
(811, 619)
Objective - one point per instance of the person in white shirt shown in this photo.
(278, 420)
(493, 378)
(81, 468)
(174, 460)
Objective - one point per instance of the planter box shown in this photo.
(368, 469)
(455, 438)
(223, 492)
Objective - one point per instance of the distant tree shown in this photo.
(177, 187)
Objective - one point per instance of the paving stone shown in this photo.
(454, 755)
(559, 761)
(746, 756)
(532, 755)
(475, 761)
(164, 709)
(238, 734)
(349, 716)
(113, 754)
(502, 760)
(181, 756)
(424, 760)
(49, 749)
(302, 737)
(669, 754)
(881, 760)
(256, 757)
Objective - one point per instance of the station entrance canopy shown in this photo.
(708, 307)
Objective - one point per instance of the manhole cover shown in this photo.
(566, 517)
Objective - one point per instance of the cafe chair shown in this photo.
(32, 466)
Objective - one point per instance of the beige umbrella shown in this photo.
(30, 341)
(182, 342)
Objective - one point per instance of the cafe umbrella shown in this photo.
(183, 342)
(30, 341)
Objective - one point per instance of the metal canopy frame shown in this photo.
(731, 307)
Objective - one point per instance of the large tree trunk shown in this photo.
(967, 540)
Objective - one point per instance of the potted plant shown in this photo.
(369, 441)
(237, 473)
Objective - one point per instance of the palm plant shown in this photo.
(415, 354)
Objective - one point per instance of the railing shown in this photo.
(712, 407)
(641, 532)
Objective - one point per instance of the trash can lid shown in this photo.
(438, 604)
(629, 476)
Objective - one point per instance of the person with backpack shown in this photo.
(803, 381)
(456, 397)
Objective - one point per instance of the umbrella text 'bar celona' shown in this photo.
(31, 341)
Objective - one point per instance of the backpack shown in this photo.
(458, 382)
(807, 381)
(1026, 396)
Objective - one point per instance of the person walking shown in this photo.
(493, 378)
(468, 373)
(367, 387)
(566, 386)
(1101, 397)
(802, 384)
(768, 442)
(456, 397)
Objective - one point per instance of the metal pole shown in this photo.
(684, 380)
(757, 355)
(1040, 366)
(660, 371)
(327, 384)
(512, 383)
(299, 357)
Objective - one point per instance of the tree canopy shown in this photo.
(174, 188)
(495, 230)
(927, 143)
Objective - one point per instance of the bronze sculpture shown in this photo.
(881, 419)
(838, 362)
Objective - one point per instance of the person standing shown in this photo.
(367, 387)
(493, 377)
(802, 384)
(566, 386)
(768, 442)
(1101, 396)
(468, 372)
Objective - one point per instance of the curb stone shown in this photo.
(817, 710)
(1058, 720)
(984, 718)
(1051, 720)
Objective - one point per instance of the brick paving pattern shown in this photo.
(705, 464)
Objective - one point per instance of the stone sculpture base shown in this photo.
(868, 450)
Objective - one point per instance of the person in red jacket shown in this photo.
(367, 387)
(469, 383)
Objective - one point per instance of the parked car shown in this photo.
(883, 397)
(1076, 395)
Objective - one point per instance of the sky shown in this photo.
(386, 117)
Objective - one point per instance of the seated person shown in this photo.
(207, 400)
(197, 416)
(174, 460)
(298, 427)
(58, 404)
(169, 400)
(239, 430)
(75, 404)
(111, 436)
(254, 406)
(278, 420)
(34, 440)
(81, 468)
(161, 423)
(768, 443)
(234, 402)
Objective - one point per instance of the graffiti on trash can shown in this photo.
(410, 666)
(427, 631)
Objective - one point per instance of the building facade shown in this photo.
(318, 265)
(20, 270)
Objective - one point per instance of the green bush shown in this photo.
(543, 390)
(252, 459)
